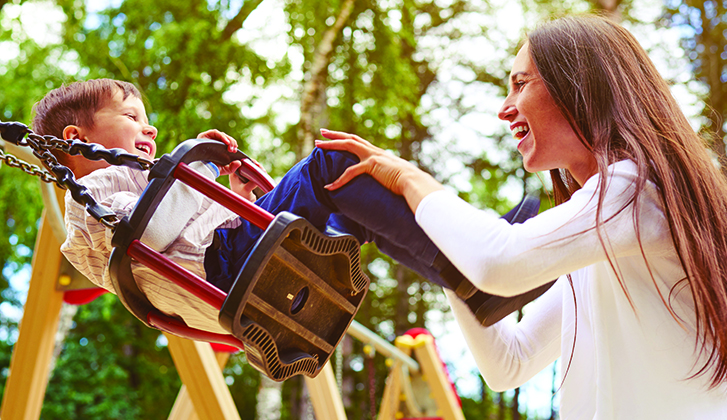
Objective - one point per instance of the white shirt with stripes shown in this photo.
(182, 228)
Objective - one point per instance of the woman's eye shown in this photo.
(519, 85)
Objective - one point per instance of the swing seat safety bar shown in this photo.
(295, 296)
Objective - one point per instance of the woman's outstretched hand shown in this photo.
(396, 174)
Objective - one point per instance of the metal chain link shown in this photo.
(21, 135)
(26, 167)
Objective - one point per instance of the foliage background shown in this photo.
(422, 78)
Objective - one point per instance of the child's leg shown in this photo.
(372, 214)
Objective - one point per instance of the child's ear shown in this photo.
(73, 132)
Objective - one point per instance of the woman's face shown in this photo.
(545, 139)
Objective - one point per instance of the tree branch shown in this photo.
(236, 22)
(316, 82)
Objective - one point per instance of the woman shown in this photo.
(638, 238)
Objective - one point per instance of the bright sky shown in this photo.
(265, 32)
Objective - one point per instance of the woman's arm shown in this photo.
(510, 353)
(508, 260)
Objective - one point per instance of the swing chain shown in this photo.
(26, 167)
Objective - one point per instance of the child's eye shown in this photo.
(131, 116)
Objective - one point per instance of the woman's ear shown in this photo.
(72, 132)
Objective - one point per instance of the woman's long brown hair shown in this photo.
(613, 96)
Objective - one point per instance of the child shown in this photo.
(191, 229)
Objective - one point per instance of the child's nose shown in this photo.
(150, 131)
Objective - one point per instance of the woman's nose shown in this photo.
(507, 111)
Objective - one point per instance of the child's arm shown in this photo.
(236, 184)
(176, 209)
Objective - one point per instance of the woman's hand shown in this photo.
(396, 174)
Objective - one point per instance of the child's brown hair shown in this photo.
(76, 104)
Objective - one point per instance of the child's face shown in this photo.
(121, 123)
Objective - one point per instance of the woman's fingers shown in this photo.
(340, 135)
(354, 147)
(384, 167)
(396, 174)
(350, 173)
(337, 135)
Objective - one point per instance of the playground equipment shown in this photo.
(204, 394)
(277, 343)
(54, 281)
(294, 277)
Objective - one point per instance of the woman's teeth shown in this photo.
(520, 131)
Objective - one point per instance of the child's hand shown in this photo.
(220, 136)
(242, 188)
(236, 184)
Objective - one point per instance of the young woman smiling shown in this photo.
(638, 238)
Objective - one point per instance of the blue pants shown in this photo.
(362, 208)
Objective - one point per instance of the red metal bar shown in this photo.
(180, 276)
(224, 196)
(257, 175)
(180, 329)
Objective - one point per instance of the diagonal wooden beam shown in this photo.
(200, 372)
(29, 365)
(183, 408)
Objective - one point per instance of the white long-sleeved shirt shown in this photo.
(182, 228)
(627, 363)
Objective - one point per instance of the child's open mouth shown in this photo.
(144, 148)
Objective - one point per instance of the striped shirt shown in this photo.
(182, 228)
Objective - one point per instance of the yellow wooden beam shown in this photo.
(200, 372)
(325, 396)
(391, 399)
(183, 408)
(29, 365)
(426, 354)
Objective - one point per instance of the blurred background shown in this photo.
(422, 78)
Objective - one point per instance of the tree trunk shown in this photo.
(64, 325)
(716, 109)
(313, 100)
(516, 405)
(501, 406)
(486, 403)
(401, 322)
(269, 399)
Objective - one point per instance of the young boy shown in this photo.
(196, 232)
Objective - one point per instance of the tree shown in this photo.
(704, 30)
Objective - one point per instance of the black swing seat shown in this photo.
(295, 296)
